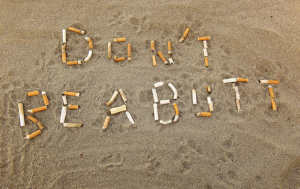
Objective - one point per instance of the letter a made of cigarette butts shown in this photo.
(106, 122)
(162, 57)
(40, 125)
(63, 53)
(184, 35)
(176, 113)
(34, 134)
(129, 52)
(116, 59)
(90, 42)
(112, 98)
(21, 114)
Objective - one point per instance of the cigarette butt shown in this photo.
(176, 113)
(204, 38)
(203, 114)
(117, 110)
(155, 112)
(63, 114)
(210, 104)
(242, 79)
(184, 35)
(106, 122)
(34, 134)
(205, 44)
(154, 95)
(171, 61)
(32, 119)
(123, 95)
(64, 36)
(76, 30)
(40, 125)
(236, 89)
(158, 84)
(37, 109)
(71, 93)
(45, 98)
(33, 93)
(231, 80)
(194, 95)
(164, 101)
(152, 46)
(88, 56)
(208, 89)
(165, 122)
(162, 57)
(112, 98)
(174, 91)
(169, 48)
(238, 106)
(63, 53)
(73, 107)
(90, 42)
(64, 97)
(21, 114)
(129, 52)
(129, 117)
(269, 81)
(109, 50)
(206, 61)
(273, 104)
(72, 124)
(205, 52)
(119, 39)
(154, 60)
(271, 91)
(119, 59)
(73, 62)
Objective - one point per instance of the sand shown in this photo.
(254, 148)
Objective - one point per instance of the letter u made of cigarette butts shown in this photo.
(63, 53)
(176, 113)
(116, 59)
(90, 42)
(32, 135)
(184, 35)
(76, 30)
(106, 122)
(162, 57)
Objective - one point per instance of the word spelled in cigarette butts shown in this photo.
(163, 102)
(209, 101)
(70, 107)
(271, 91)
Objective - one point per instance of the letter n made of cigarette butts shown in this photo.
(184, 35)
(162, 57)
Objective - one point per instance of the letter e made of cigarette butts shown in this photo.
(184, 35)
(106, 122)
(162, 57)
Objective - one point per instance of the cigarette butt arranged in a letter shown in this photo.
(206, 61)
(237, 96)
(154, 95)
(73, 107)
(205, 52)
(21, 114)
(242, 80)
(158, 84)
(112, 98)
(155, 112)
(165, 101)
(174, 91)
(194, 94)
(71, 93)
(171, 61)
(210, 104)
(106, 122)
(73, 62)
(205, 44)
(169, 48)
(88, 56)
(154, 60)
(208, 89)
(76, 30)
(119, 59)
(32, 119)
(152, 46)
(34, 134)
(64, 97)
(72, 124)
(162, 57)
(176, 113)
(238, 106)
(184, 35)
(63, 114)
(37, 109)
(63, 53)
(269, 81)
(129, 52)
(33, 93)
(40, 125)
(233, 80)
(123, 95)
(117, 110)
(204, 38)
(271, 91)
(45, 98)
(165, 122)
(119, 39)
(109, 50)
(203, 114)
(64, 36)
(90, 42)
(129, 117)
(273, 104)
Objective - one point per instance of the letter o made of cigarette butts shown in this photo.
(162, 57)
(88, 56)
(116, 59)
(129, 52)
(204, 38)
(152, 46)
(119, 39)
(33, 93)
(109, 50)
(63, 53)
(154, 60)
(184, 35)
(73, 62)
(37, 109)
(76, 30)
(45, 98)
(106, 122)
(34, 134)
(21, 114)
(169, 48)
(273, 104)
(203, 114)
(90, 42)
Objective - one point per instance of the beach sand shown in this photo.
(254, 148)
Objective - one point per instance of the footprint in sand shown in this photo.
(110, 161)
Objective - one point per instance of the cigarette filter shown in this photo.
(210, 104)
(162, 57)
(269, 81)
(117, 110)
(203, 114)
(273, 104)
(242, 80)
(271, 91)
(88, 56)
(154, 60)
(155, 112)
(32, 119)
(21, 114)
(112, 98)
(37, 109)
(208, 89)
(154, 95)
(63, 114)
(238, 106)
(236, 89)
(106, 122)
(165, 101)
(233, 80)
(73, 62)
(64, 36)
(72, 124)
(45, 98)
(73, 107)
(40, 125)
(194, 94)
(205, 52)
(34, 134)
(109, 50)
(205, 44)
(33, 93)
(174, 91)
(119, 39)
(204, 38)
(169, 48)
(165, 122)
(159, 84)
(129, 52)
(76, 30)
(71, 93)
(129, 117)
(123, 95)
(63, 53)
(171, 61)
(206, 61)
(152, 46)
(184, 35)
(176, 113)
(119, 59)
(64, 97)
(90, 42)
